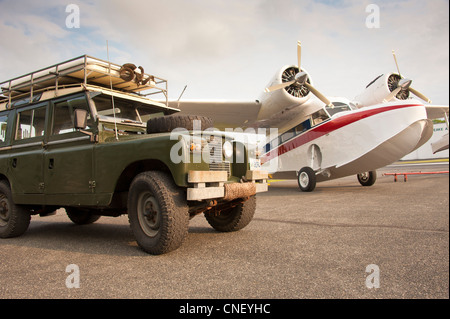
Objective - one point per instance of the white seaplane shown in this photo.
(327, 138)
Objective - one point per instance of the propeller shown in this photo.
(300, 79)
(401, 86)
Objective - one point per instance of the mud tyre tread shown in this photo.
(233, 219)
(14, 219)
(173, 216)
(168, 123)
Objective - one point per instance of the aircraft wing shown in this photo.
(436, 111)
(226, 114)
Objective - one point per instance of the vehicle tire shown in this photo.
(14, 219)
(81, 216)
(367, 178)
(306, 179)
(233, 219)
(158, 212)
(169, 123)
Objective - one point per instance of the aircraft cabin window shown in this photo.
(302, 127)
(287, 135)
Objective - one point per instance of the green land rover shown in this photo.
(84, 135)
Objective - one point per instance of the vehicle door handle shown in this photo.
(51, 163)
(14, 162)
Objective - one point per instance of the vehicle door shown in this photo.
(5, 128)
(26, 153)
(68, 155)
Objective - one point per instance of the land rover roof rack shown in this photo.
(83, 70)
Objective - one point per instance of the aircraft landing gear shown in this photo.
(306, 179)
(367, 178)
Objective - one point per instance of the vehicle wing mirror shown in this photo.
(80, 119)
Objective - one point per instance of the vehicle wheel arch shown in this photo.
(135, 168)
(4, 178)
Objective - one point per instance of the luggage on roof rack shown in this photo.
(83, 70)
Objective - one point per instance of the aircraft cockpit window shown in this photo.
(338, 107)
(319, 116)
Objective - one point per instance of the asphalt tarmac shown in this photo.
(343, 240)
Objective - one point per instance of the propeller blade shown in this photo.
(405, 84)
(299, 54)
(419, 95)
(319, 95)
(395, 59)
(279, 86)
(392, 94)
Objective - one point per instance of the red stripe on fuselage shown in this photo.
(327, 127)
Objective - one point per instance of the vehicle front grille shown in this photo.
(224, 166)
(216, 162)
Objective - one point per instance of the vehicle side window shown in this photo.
(31, 123)
(63, 115)
(3, 127)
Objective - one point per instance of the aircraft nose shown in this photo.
(301, 77)
(404, 83)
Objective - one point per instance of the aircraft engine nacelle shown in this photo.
(379, 89)
(275, 103)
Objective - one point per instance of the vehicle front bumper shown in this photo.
(213, 184)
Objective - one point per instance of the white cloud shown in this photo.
(230, 50)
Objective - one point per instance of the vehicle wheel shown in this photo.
(14, 219)
(169, 123)
(306, 179)
(234, 218)
(158, 212)
(367, 178)
(81, 216)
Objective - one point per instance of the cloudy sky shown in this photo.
(229, 50)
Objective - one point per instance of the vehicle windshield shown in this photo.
(126, 111)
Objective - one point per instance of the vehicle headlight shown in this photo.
(227, 149)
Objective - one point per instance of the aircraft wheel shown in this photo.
(367, 178)
(306, 179)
